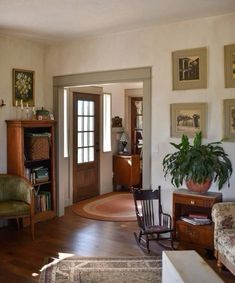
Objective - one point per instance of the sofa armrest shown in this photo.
(223, 216)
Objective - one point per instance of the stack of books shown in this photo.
(196, 219)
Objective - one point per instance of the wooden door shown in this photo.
(86, 146)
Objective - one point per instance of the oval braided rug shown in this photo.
(117, 206)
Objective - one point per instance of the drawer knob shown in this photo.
(192, 202)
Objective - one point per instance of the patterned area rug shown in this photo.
(103, 270)
(109, 207)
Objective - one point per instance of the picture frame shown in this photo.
(229, 120)
(189, 69)
(188, 118)
(23, 87)
(229, 65)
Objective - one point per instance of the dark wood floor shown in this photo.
(20, 257)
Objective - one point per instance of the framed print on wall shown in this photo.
(229, 65)
(188, 118)
(189, 68)
(229, 119)
(23, 87)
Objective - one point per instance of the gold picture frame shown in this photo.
(229, 120)
(229, 65)
(189, 69)
(188, 118)
(23, 87)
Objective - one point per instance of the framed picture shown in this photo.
(229, 119)
(23, 87)
(188, 118)
(189, 68)
(229, 65)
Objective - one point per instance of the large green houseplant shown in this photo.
(198, 164)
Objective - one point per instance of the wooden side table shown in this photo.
(185, 203)
(126, 170)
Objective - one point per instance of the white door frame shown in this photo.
(116, 76)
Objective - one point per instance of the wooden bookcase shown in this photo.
(184, 203)
(18, 162)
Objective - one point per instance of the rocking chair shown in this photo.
(151, 219)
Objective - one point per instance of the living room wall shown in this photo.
(16, 53)
(153, 47)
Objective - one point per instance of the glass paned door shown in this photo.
(85, 131)
(86, 166)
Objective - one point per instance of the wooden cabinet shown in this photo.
(185, 203)
(19, 162)
(126, 170)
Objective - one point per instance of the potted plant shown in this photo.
(198, 164)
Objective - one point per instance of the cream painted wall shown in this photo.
(153, 47)
(18, 54)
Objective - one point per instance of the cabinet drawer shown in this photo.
(194, 201)
(201, 235)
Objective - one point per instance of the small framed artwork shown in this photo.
(229, 119)
(189, 68)
(188, 118)
(23, 87)
(229, 65)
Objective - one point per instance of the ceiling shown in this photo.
(52, 21)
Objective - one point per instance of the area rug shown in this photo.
(117, 206)
(103, 270)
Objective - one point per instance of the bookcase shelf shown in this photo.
(19, 164)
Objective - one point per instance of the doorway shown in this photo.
(128, 75)
(86, 145)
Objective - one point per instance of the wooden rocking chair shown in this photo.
(151, 219)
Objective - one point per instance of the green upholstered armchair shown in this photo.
(16, 199)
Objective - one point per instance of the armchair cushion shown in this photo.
(14, 208)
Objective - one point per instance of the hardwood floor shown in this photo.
(20, 257)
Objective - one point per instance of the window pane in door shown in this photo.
(85, 124)
(91, 154)
(91, 138)
(91, 108)
(80, 124)
(80, 155)
(85, 135)
(80, 107)
(86, 105)
(80, 140)
(86, 154)
(91, 123)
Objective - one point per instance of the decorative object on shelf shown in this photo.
(229, 65)
(229, 119)
(189, 68)
(43, 114)
(23, 86)
(124, 140)
(2, 103)
(198, 163)
(116, 122)
(188, 119)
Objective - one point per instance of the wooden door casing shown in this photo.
(86, 174)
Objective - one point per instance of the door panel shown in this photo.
(85, 145)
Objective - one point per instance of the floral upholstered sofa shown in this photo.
(223, 215)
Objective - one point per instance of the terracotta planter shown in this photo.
(200, 188)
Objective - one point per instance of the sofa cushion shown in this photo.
(226, 244)
(13, 208)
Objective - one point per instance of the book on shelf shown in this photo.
(43, 201)
(198, 215)
(196, 221)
